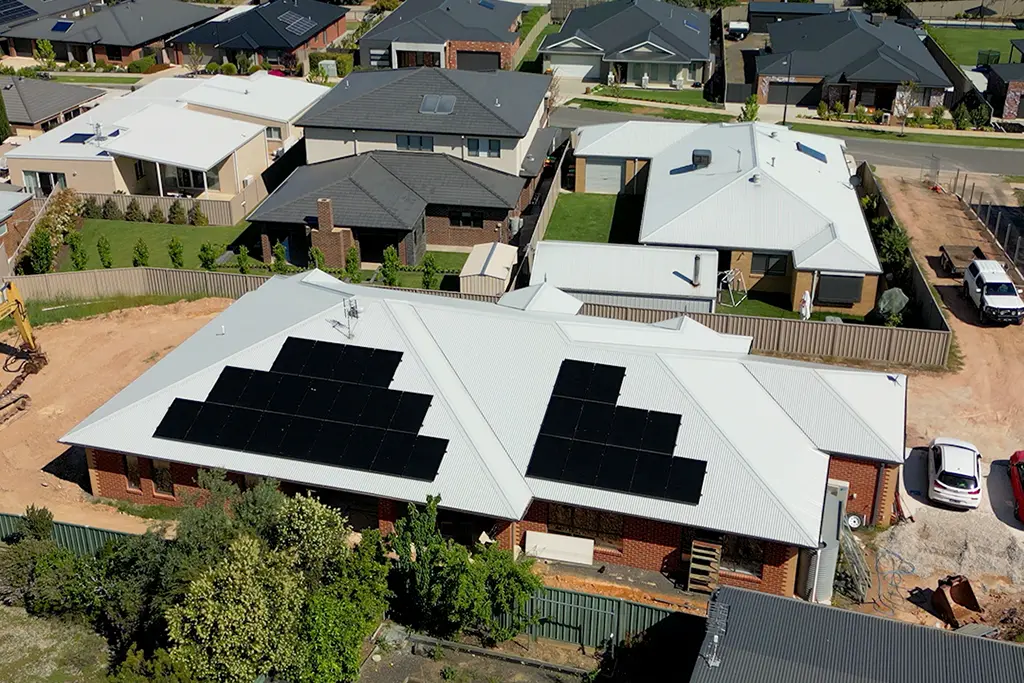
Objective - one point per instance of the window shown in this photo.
(494, 148)
(604, 527)
(973, 269)
(1000, 289)
(190, 179)
(273, 133)
(839, 290)
(163, 483)
(52, 123)
(41, 183)
(936, 459)
(74, 113)
(114, 53)
(140, 169)
(692, 71)
(132, 473)
(768, 264)
(473, 144)
(415, 143)
(742, 555)
(3, 229)
(467, 219)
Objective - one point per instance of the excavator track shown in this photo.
(12, 404)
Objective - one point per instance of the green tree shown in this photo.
(156, 214)
(838, 109)
(63, 584)
(980, 116)
(5, 124)
(17, 564)
(79, 256)
(111, 211)
(195, 57)
(316, 257)
(243, 259)
(259, 509)
(133, 212)
(36, 523)
(176, 252)
(208, 254)
(314, 534)
(389, 269)
(243, 61)
(352, 264)
(860, 114)
(903, 104)
(824, 113)
(280, 264)
(140, 254)
(430, 272)
(509, 584)
(707, 6)
(750, 109)
(159, 668)
(938, 114)
(104, 251)
(176, 213)
(91, 208)
(961, 117)
(40, 249)
(890, 7)
(196, 215)
(44, 53)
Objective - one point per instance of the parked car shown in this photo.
(954, 473)
(988, 286)
(1016, 472)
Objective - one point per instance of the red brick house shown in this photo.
(610, 443)
(1006, 90)
(16, 214)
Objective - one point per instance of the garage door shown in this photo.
(478, 61)
(802, 94)
(576, 66)
(605, 175)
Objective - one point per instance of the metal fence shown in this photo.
(74, 537)
(217, 211)
(527, 41)
(1004, 223)
(588, 620)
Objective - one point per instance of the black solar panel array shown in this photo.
(320, 402)
(587, 439)
(12, 10)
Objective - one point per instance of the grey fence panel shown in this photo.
(74, 537)
(527, 40)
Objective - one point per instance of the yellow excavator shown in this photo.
(27, 359)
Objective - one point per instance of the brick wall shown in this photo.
(334, 31)
(506, 50)
(863, 479)
(778, 573)
(108, 479)
(441, 231)
(1014, 95)
(387, 515)
(17, 226)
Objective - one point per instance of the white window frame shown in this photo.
(491, 153)
(272, 135)
(3, 228)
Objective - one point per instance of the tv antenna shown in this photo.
(348, 328)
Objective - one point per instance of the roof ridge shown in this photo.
(444, 73)
(453, 161)
(384, 84)
(352, 178)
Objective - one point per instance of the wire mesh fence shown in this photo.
(1004, 221)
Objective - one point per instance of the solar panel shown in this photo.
(259, 390)
(410, 413)
(238, 429)
(178, 419)
(289, 394)
(605, 383)
(362, 447)
(573, 379)
(690, 26)
(595, 421)
(380, 407)
(230, 385)
(301, 26)
(583, 463)
(379, 369)
(62, 26)
(811, 152)
(561, 417)
(208, 423)
(289, 17)
(293, 355)
(78, 138)
(549, 456)
(12, 10)
(487, 4)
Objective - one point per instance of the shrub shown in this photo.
(79, 256)
(196, 215)
(878, 116)
(141, 65)
(91, 208)
(750, 109)
(229, 69)
(860, 114)
(243, 259)
(280, 264)
(253, 68)
(352, 264)
(134, 212)
(429, 271)
(102, 65)
(938, 114)
(824, 113)
(947, 124)
(156, 215)
(40, 250)
(36, 523)
(915, 119)
(17, 562)
(243, 62)
(111, 211)
(212, 68)
(316, 257)
(961, 117)
(63, 583)
(389, 269)
(103, 249)
(838, 110)
(980, 116)
(344, 61)
(140, 254)
(176, 214)
(208, 254)
(74, 65)
(176, 252)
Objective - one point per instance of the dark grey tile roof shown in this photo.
(40, 8)
(261, 28)
(498, 103)
(31, 100)
(541, 146)
(128, 24)
(614, 27)
(789, 7)
(387, 190)
(1009, 72)
(432, 21)
(846, 46)
(770, 639)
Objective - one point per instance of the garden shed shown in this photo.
(488, 270)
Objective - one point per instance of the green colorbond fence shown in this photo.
(79, 539)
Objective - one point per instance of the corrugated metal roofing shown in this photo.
(542, 298)
(493, 260)
(770, 639)
(766, 474)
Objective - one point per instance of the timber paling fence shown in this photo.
(74, 537)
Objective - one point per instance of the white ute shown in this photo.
(990, 289)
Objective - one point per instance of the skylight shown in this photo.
(78, 138)
(437, 104)
(62, 26)
(811, 152)
(690, 26)
(486, 4)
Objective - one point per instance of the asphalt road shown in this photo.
(902, 154)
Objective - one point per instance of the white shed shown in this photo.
(488, 270)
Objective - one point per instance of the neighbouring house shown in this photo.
(1006, 90)
(118, 34)
(385, 198)
(18, 12)
(450, 34)
(16, 214)
(656, 278)
(639, 42)
(777, 205)
(742, 643)
(626, 444)
(34, 106)
(488, 269)
(762, 15)
(276, 32)
(851, 58)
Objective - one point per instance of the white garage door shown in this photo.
(576, 66)
(605, 175)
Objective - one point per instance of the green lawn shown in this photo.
(767, 306)
(532, 62)
(530, 20)
(34, 650)
(962, 44)
(691, 96)
(929, 138)
(584, 217)
(675, 114)
(123, 235)
(49, 312)
(97, 80)
(449, 260)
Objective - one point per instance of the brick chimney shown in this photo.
(329, 239)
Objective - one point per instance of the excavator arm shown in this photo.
(13, 306)
(33, 359)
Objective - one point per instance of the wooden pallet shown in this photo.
(705, 559)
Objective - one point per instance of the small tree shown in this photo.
(176, 214)
(316, 257)
(212, 68)
(133, 212)
(195, 57)
(208, 254)
(243, 62)
(961, 117)
(938, 114)
(280, 264)
(389, 269)
(156, 215)
(37, 524)
(111, 211)
(750, 109)
(317, 76)
(140, 254)
(838, 110)
(176, 252)
(243, 259)
(903, 104)
(40, 250)
(196, 215)
(352, 264)
(91, 208)
(5, 124)
(824, 113)
(860, 114)
(104, 251)
(980, 116)
(44, 53)
(79, 256)
(429, 271)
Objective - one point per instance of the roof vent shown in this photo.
(756, 178)
(877, 18)
(496, 102)
(775, 134)
(701, 158)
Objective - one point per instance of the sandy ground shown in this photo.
(90, 361)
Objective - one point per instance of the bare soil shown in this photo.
(90, 361)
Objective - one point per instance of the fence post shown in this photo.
(1016, 251)
(963, 187)
(981, 201)
(956, 181)
(988, 212)
(971, 203)
(999, 217)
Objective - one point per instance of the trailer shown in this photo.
(955, 258)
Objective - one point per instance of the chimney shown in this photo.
(701, 158)
(324, 215)
(696, 270)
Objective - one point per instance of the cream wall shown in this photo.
(287, 129)
(249, 159)
(84, 175)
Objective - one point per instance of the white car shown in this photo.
(954, 473)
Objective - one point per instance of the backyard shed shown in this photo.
(488, 270)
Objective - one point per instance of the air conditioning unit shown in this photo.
(247, 181)
(515, 224)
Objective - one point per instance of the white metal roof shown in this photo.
(623, 269)
(766, 472)
(542, 298)
(9, 201)
(767, 187)
(491, 260)
(259, 95)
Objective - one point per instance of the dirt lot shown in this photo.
(90, 361)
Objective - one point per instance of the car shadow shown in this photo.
(959, 306)
(915, 475)
(1000, 493)
(935, 263)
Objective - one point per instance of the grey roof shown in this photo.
(678, 34)
(37, 8)
(770, 639)
(31, 100)
(264, 26)
(128, 24)
(498, 103)
(847, 47)
(789, 8)
(543, 143)
(9, 201)
(387, 190)
(432, 21)
(1009, 72)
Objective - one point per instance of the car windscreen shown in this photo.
(1000, 288)
(958, 481)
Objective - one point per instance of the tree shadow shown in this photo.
(643, 657)
(71, 466)
(625, 228)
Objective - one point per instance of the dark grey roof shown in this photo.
(1009, 72)
(543, 143)
(789, 8)
(262, 28)
(770, 639)
(431, 21)
(128, 24)
(31, 100)
(387, 190)
(30, 10)
(616, 27)
(846, 46)
(498, 103)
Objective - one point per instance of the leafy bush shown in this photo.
(40, 250)
(316, 257)
(176, 253)
(111, 211)
(208, 254)
(212, 68)
(229, 69)
(74, 65)
(176, 213)
(938, 114)
(79, 256)
(824, 113)
(17, 563)
(860, 114)
(838, 109)
(196, 215)
(140, 66)
(916, 118)
(159, 668)
(508, 584)
(947, 124)
(63, 583)
(133, 212)
(243, 62)
(253, 68)
(140, 254)
(980, 116)
(243, 259)
(961, 117)
(389, 269)
(352, 263)
(280, 264)
(344, 61)
(750, 109)
(36, 524)
(103, 249)
(429, 271)
(91, 208)
(878, 116)
(156, 214)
